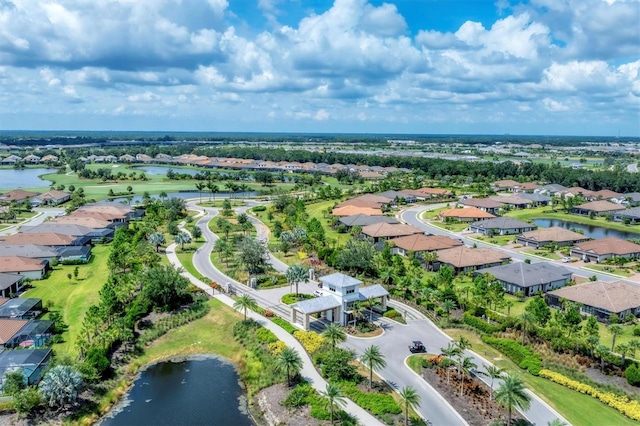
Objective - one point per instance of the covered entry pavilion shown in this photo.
(327, 306)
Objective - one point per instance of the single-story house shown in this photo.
(465, 259)
(600, 299)
(10, 284)
(49, 159)
(34, 269)
(537, 199)
(31, 251)
(127, 158)
(355, 210)
(530, 278)
(368, 200)
(421, 243)
(505, 185)
(604, 248)
(21, 308)
(398, 195)
(515, 201)
(528, 187)
(10, 160)
(430, 193)
(604, 194)
(599, 208)
(631, 215)
(551, 189)
(501, 226)
(50, 239)
(387, 231)
(545, 236)
(32, 363)
(31, 159)
(95, 235)
(576, 190)
(9, 328)
(485, 204)
(89, 222)
(51, 198)
(364, 220)
(18, 333)
(17, 195)
(631, 199)
(339, 293)
(466, 214)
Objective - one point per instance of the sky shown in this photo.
(536, 67)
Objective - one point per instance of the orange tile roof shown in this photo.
(609, 245)
(463, 256)
(390, 230)
(421, 242)
(353, 210)
(20, 264)
(9, 328)
(467, 213)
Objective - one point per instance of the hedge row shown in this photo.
(376, 403)
(480, 324)
(284, 324)
(521, 355)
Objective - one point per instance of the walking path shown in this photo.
(434, 407)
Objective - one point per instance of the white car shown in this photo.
(566, 259)
(318, 293)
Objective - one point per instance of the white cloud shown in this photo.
(553, 105)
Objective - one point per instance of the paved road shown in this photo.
(412, 217)
(44, 214)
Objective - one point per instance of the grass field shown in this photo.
(543, 253)
(497, 240)
(72, 298)
(611, 269)
(577, 408)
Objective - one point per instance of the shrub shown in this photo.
(521, 355)
(269, 314)
(394, 315)
(480, 324)
(636, 331)
(298, 396)
(632, 373)
(629, 408)
(259, 208)
(265, 336)
(97, 358)
(276, 347)
(311, 340)
(336, 365)
(377, 403)
(284, 324)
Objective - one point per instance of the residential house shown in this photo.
(387, 231)
(465, 259)
(31, 364)
(575, 191)
(31, 159)
(605, 248)
(50, 198)
(350, 210)
(364, 220)
(513, 201)
(95, 235)
(50, 239)
(553, 235)
(551, 189)
(368, 200)
(10, 160)
(144, 158)
(466, 214)
(17, 195)
(631, 199)
(529, 278)
(436, 193)
(600, 299)
(49, 159)
(505, 185)
(127, 158)
(34, 269)
(31, 251)
(631, 215)
(89, 222)
(339, 293)
(501, 226)
(485, 204)
(35, 333)
(537, 199)
(604, 194)
(398, 196)
(599, 208)
(24, 308)
(528, 187)
(421, 243)
(10, 284)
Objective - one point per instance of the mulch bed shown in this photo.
(474, 406)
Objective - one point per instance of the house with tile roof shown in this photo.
(387, 231)
(545, 236)
(421, 243)
(17, 195)
(600, 299)
(466, 214)
(364, 220)
(50, 198)
(34, 269)
(465, 259)
(485, 204)
(599, 208)
(605, 248)
(529, 278)
(501, 226)
(351, 210)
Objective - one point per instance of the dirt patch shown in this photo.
(474, 405)
(613, 380)
(271, 413)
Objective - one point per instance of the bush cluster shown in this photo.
(480, 324)
(629, 408)
(521, 355)
(632, 374)
(259, 208)
(265, 336)
(377, 403)
(310, 340)
(162, 326)
(284, 324)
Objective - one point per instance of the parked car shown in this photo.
(417, 346)
(318, 293)
(566, 259)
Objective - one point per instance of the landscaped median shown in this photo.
(629, 408)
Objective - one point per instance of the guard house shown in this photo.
(339, 293)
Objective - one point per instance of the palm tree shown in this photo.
(213, 188)
(388, 276)
(494, 373)
(334, 397)
(200, 186)
(245, 302)
(450, 351)
(430, 257)
(335, 334)
(410, 398)
(623, 349)
(526, 321)
(592, 342)
(289, 361)
(157, 239)
(183, 238)
(448, 305)
(634, 344)
(512, 394)
(615, 329)
(465, 365)
(295, 275)
(601, 352)
(374, 359)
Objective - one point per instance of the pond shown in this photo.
(137, 199)
(23, 178)
(193, 392)
(592, 231)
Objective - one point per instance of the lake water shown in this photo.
(194, 392)
(588, 230)
(23, 178)
(137, 199)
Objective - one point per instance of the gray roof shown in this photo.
(317, 304)
(31, 251)
(339, 280)
(393, 194)
(633, 196)
(535, 197)
(58, 228)
(502, 223)
(633, 212)
(7, 280)
(372, 292)
(528, 274)
(364, 220)
(553, 187)
(67, 251)
(14, 308)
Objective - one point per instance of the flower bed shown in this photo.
(623, 404)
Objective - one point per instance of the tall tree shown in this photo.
(373, 358)
(61, 385)
(512, 394)
(410, 398)
(165, 287)
(335, 334)
(290, 362)
(615, 330)
(157, 239)
(493, 372)
(183, 238)
(254, 255)
(334, 398)
(200, 186)
(295, 275)
(245, 302)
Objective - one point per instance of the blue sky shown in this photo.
(566, 67)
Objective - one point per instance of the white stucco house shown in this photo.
(338, 293)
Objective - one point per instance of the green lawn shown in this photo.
(577, 408)
(186, 259)
(454, 227)
(611, 269)
(497, 240)
(542, 253)
(72, 297)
